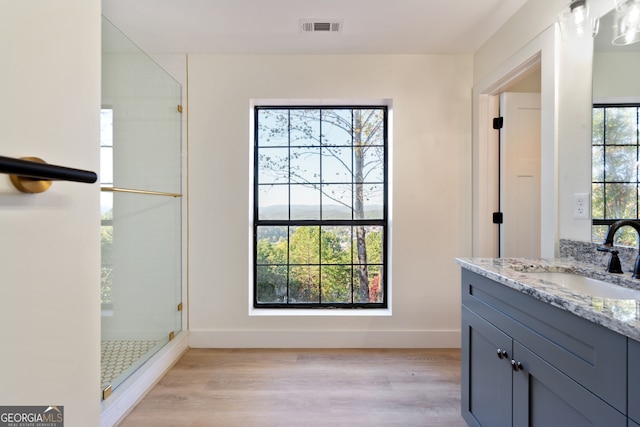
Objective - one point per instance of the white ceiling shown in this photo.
(272, 26)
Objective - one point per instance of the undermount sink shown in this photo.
(587, 285)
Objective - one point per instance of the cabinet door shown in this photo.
(486, 377)
(634, 381)
(545, 397)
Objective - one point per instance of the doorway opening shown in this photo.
(507, 182)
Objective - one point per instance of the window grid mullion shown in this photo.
(288, 289)
(289, 163)
(320, 183)
(353, 201)
(288, 264)
(353, 184)
(604, 157)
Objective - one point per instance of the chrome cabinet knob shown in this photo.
(517, 366)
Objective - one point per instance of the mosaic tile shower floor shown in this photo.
(118, 356)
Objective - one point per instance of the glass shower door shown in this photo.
(141, 170)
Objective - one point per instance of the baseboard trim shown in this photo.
(324, 339)
(131, 391)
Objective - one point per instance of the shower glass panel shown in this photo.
(141, 205)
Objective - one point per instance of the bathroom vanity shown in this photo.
(544, 344)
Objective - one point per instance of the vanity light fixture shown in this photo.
(576, 22)
(626, 25)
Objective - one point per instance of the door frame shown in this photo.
(540, 53)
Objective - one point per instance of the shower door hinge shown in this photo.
(179, 108)
(180, 307)
(498, 122)
(106, 392)
(172, 335)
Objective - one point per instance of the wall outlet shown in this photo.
(581, 206)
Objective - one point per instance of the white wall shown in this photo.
(50, 252)
(615, 76)
(533, 18)
(431, 171)
(574, 113)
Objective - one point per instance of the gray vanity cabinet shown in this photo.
(526, 363)
(634, 382)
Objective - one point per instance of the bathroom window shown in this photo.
(615, 160)
(320, 207)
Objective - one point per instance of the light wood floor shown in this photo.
(306, 388)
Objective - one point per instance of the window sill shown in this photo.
(332, 312)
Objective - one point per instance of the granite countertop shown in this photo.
(619, 315)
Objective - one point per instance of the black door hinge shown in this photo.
(497, 218)
(498, 122)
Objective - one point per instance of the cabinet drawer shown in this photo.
(591, 355)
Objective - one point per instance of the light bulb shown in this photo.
(579, 15)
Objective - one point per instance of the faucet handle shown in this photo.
(614, 263)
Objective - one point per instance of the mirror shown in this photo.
(615, 68)
(615, 130)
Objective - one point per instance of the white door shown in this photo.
(50, 254)
(520, 175)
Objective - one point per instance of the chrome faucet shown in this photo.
(607, 246)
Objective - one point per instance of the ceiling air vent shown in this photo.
(320, 26)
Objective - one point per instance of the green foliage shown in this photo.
(106, 246)
(271, 270)
(315, 262)
(304, 257)
(374, 247)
